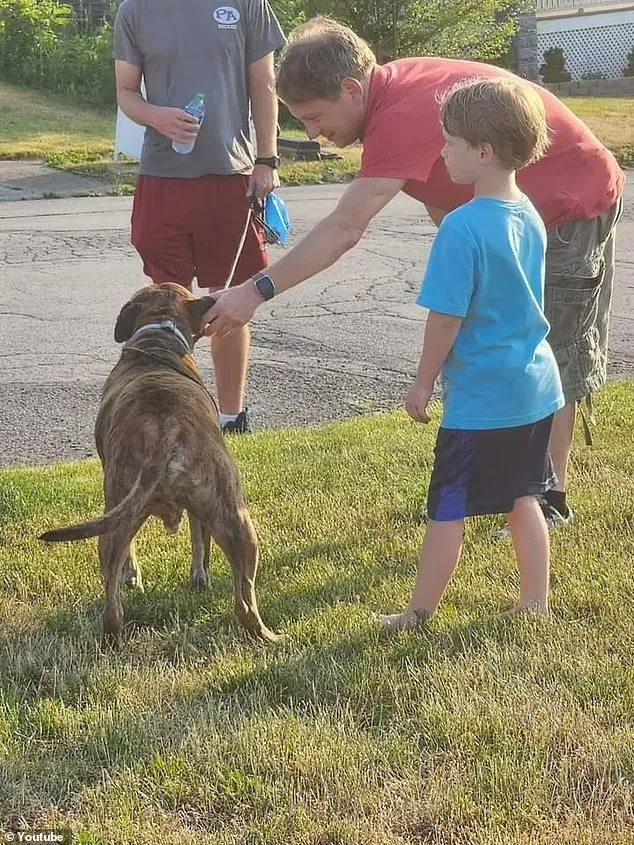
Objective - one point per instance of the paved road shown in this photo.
(344, 343)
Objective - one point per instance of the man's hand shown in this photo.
(264, 179)
(417, 400)
(175, 124)
(233, 308)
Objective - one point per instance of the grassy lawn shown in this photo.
(36, 124)
(477, 731)
(81, 139)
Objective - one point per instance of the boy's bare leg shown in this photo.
(439, 556)
(529, 533)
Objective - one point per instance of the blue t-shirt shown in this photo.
(487, 266)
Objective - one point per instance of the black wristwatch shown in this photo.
(264, 286)
(271, 161)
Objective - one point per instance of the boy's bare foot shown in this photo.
(405, 621)
(537, 606)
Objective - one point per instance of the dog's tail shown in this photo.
(127, 509)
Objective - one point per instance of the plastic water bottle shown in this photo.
(197, 109)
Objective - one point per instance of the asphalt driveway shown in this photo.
(344, 343)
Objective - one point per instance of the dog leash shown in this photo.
(255, 213)
(243, 238)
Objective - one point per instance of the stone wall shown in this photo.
(526, 60)
(622, 87)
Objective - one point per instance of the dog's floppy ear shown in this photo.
(125, 321)
(197, 308)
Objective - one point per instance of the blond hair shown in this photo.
(320, 54)
(508, 114)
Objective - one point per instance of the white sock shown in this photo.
(225, 418)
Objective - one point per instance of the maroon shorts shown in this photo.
(186, 228)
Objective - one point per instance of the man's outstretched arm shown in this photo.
(323, 246)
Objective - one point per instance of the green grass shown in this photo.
(39, 125)
(36, 124)
(611, 120)
(79, 139)
(477, 731)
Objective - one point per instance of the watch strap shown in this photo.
(270, 161)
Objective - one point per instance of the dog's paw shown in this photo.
(266, 636)
(199, 580)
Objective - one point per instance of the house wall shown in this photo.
(592, 42)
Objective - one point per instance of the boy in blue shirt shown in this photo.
(486, 332)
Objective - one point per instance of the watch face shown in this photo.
(265, 287)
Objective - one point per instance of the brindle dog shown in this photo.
(162, 451)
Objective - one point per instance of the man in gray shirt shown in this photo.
(190, 211)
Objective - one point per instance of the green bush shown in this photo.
(41, 46)
(83, 67)
(29, 33)
(629, 68)
(554, 67)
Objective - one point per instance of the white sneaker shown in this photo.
(553, 520)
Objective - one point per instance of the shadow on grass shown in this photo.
(61, 663)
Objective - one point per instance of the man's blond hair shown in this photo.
(319, 55)
(508, 114)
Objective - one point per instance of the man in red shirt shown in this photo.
(330, 81)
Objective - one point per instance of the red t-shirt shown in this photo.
(577, 179)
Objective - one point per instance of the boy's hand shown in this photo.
(417, 400)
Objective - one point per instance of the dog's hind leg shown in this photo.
(114, 550)
(201, 540)
(233, 530)
(131, 571)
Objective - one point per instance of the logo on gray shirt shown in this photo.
(227, 17)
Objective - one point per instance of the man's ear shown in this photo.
(197, 308)
(125, 321)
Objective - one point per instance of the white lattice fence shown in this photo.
(597, 49)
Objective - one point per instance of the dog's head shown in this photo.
(155, 303)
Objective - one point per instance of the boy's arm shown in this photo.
(441, 332)
(447, 292)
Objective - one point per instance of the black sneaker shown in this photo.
(238, 426)
(554, 519)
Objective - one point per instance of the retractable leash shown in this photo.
(243, 238)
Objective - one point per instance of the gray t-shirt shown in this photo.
(190, 46)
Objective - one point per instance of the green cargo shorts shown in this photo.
(578, 296)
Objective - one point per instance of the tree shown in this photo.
(290, 13)
(554, 67)
(472, 29)
(629, 68)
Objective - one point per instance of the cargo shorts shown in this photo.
(578, 295)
